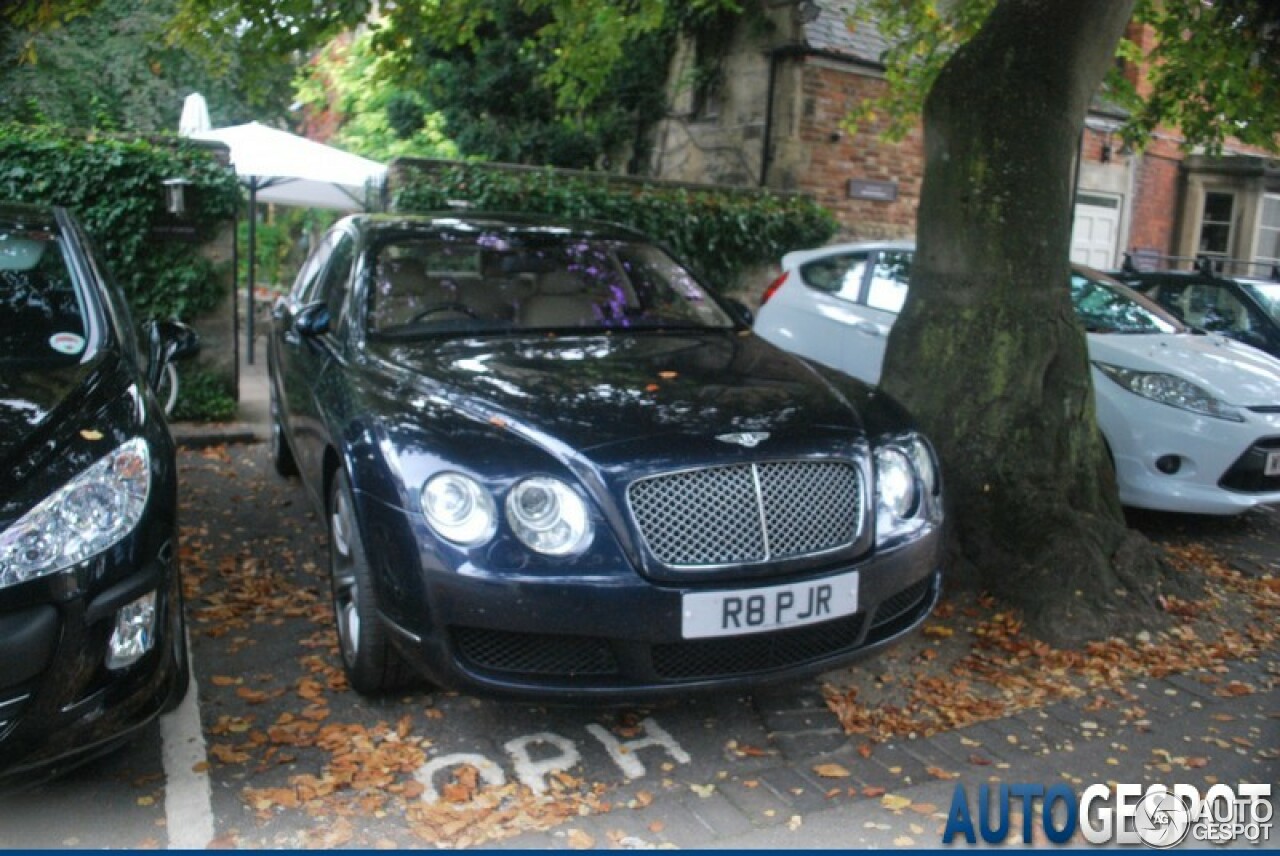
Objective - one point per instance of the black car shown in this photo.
(91, 631)
(1247, 310)
(553, 463)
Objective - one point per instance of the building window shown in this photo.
(1268, 250)
(1215, 225)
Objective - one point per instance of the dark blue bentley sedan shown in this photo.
(554, 464)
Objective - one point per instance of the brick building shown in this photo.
(764, 104)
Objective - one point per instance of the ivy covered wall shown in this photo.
(167, 265)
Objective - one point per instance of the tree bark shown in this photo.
(988, 353)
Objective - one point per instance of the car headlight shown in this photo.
(458, 509)
(548, 516)
(922, 459)
(899, 498)
(1171, 390)
(83, 518)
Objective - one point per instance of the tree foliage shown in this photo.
(113, 67)
(565, 84)
(1210, 69)
(348, 79)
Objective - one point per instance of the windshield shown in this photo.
(42, 313)
(491, 282)
(1268, 294)
(1108, 307)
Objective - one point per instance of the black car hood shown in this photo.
(52, 422)
(597, 390)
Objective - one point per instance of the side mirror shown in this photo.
(312, 320)
(168, 341)
(744, 311)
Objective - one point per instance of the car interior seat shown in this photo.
(561, 300)
(401, 290)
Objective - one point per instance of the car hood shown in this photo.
(595, 390)
(1235, 373)
(54, 422)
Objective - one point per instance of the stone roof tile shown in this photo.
(829, 31)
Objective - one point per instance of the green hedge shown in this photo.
(114, 185)
(720, 233)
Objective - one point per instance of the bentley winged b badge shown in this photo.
(749, 439)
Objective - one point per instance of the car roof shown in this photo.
(469, 221)
(27, 215)
(798, 257)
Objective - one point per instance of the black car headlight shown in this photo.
(459, 509)
(906, 484)
(548, 516)
(85, 517)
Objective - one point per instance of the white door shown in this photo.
(1096, 230)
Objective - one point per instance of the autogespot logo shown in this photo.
(1158, 817)
(1162, 819)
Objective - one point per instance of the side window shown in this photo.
(840, 276)
(304, 287)
(334, 280)
(889, 280)
(1172, 297)
(1226, 313)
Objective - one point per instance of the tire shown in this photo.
(372, 664)
(281, 455)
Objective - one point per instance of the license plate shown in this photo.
(756, 610)
(1272, 467)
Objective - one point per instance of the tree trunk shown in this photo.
(988, 353)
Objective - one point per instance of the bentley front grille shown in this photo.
(748, 513)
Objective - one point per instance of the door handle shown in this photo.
(868, 328)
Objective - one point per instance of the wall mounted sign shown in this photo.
(878, 191)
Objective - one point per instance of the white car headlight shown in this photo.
(83, 518)
(459, 509)
(1171, 390)
(548, 516)
(898, 494)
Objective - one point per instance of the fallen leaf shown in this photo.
(831, 771)
(893, 802)
(579, 840)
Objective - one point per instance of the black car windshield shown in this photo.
(1107, 307)
(498, 282)
(42, 310)
(1268, 294)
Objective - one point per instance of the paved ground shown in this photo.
(273, 751)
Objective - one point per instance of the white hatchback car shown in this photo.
(1192, 421)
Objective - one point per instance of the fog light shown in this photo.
(134, 634)
(1168, 464)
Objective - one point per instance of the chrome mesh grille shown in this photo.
(748, 512)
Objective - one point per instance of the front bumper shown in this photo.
(59, 704)
(616, 635)
(1219, 462)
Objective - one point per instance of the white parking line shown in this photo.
(188, 803)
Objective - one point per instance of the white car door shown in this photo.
(876, 310)
(813, 314)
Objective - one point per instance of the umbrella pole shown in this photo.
(253, 257)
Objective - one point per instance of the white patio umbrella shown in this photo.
(286, 169)
(195, 115)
